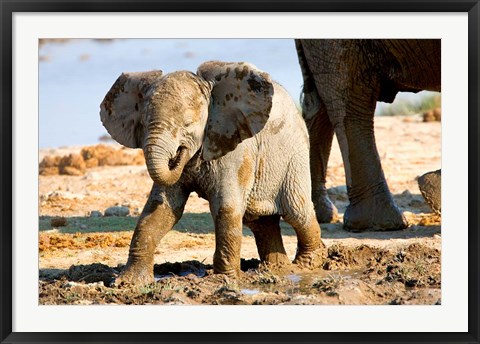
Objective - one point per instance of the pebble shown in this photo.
(338, 190)
(117, 211)
(70, 284)
(58, 222)
(96, 213)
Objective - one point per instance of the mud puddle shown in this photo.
(349, 275)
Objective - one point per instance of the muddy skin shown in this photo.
(217, 133)
(269, 240)
(228, 241)
(310, 249)
(159, 216)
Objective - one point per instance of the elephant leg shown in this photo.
(269, 241)
(310, 248)
(162, 211)
(321, 136)
(228, 240)
(371, 203)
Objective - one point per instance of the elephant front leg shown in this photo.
(228, 241)
(321, 136)
(161, 212)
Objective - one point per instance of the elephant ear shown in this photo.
(241, 100)
(122, 108)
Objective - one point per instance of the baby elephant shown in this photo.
(232, 135)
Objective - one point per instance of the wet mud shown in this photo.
(358, 275)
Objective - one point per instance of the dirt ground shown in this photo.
(81, 251)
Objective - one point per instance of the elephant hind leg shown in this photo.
(310, 247)
(371, 203)
(269, 241)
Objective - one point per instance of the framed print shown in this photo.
(268, 172)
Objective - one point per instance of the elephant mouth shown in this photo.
(174, 162)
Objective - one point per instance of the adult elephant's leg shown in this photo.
(348, 89)
(269, 241)
(163, 209)
(371, 203)
(321, 136)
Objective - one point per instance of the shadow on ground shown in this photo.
(201, 223)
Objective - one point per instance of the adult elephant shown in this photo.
(343, 80)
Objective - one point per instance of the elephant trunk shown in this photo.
(165, 162)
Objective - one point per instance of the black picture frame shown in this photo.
(8, 7)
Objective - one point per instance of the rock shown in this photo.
(430, 186)
(117, 211)
(72, 165)
(96, 213)
(338, 190)
(49, 165)
(92, 162)
(58, 222)
(434, 115)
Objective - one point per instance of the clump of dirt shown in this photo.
(434, 115)
(416, 266)
(58, 222)
(342, 257)
(329, 285)
(49, 165)
(72, 165)
(91, 156)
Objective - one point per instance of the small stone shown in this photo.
(96, 284)
(338, 190)
(83, 227)
(71, 284)
(117, 211)
(96, 213)
(58, 222)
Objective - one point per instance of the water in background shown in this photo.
(75, 75)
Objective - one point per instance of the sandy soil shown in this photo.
(77, 261)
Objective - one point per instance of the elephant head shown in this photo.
(173, 116)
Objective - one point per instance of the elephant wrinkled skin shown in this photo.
(233, 136)
(343, 80)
